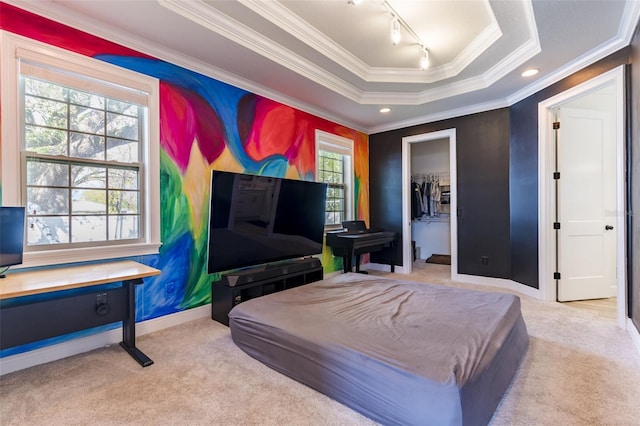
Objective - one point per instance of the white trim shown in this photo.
(285, 19)
(471, 279)
(383, 267)
(546, 237)
(630, 17)
(14, 47)
(439, 116)
(82, 23)
(73, 19)
(332, 274)
(633, 333)
(500, 283)
(407, 255)
(344, 146)
(212, 19)
(84, 344)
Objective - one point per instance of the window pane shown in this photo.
(44, 112)
(122, 107)
(86, 99)
(40, 173)
(83, 145)
(89, 201)
(44, 89)
(88, 228)
(48, 230)
(124, 227)
(45, 141)
(122, 151)
(89, 177)
(45, 201)
(86, 120)
(122, 126)
(123, 202)
(123, 179)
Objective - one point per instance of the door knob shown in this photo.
(608, 227)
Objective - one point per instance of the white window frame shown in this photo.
(15, 47)
(340, 145)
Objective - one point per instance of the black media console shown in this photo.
(240, 286)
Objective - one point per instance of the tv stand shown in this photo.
(240, 286)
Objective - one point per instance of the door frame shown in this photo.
(407, 255)
(546, 189)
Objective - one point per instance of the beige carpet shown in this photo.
(579, 370)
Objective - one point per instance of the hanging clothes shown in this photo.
(416, 200)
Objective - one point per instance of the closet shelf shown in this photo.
(438, 219)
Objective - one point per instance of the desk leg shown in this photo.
(129, 326)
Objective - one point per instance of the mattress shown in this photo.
(399, 352)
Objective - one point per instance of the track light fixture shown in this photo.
(424, 58)
(396, 36)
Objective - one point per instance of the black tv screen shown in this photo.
(259, 219)
(11, 235)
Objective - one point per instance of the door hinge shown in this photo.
(556, 175)
(556, 125)
(556, 225)
(556, 275)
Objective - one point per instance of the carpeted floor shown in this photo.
(579, 370)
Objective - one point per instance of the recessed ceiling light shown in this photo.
(385, 110)
(530, 72)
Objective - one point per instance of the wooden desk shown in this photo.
(31, 319)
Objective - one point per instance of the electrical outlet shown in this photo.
(170, 289)
(485, 260)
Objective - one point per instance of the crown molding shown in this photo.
(207, 16)
(443, 115)
(519, 56)
(210, 18)
(288, 21)
(68, 17)
(80, 22)
(631, 16)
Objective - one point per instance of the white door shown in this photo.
(586, 205)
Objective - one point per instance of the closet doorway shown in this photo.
(435, 213)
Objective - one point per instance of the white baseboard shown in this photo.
(383, 267)
(332, 274)
(500, 283)
(634, 333)
(472, 279)
(84, 344)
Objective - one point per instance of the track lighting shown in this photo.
(396, 35)
(424, 58)
(395, 31)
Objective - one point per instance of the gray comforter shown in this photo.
(399, 352)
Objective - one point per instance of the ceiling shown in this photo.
(336, 60)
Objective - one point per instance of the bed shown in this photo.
(399, 352)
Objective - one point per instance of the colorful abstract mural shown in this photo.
(204, 125)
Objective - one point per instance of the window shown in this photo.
(331, 171)
(84, 157)
(334, 159)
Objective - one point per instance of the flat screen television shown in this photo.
(255, 220)
(11, 236)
